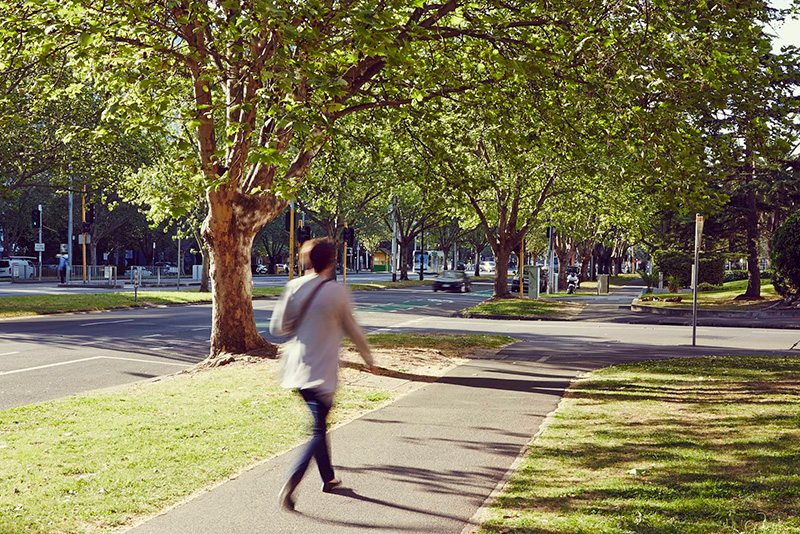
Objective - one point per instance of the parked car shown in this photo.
(166, 268)
(515, 284)
(452, 281)
(488, 267)
(281, 268)
(145, 271)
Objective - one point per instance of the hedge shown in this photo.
(741, 274)
(673, 262)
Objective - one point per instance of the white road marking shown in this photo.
(400, 325)
(202, 328)
(3, 373)
(543, 359)
(9, 353)
(100, 323)
(151, 335)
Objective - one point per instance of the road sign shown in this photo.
(63, 248)
(38, 247)
(88, 239)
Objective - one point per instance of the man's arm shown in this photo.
(354, 331)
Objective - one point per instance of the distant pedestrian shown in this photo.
(62, 267)
(316, 311)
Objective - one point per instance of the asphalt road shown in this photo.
(48, 357)
(7, 289)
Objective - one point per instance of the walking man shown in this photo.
(316, 311)
(62, 267)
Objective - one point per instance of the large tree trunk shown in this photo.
(502, 253)
(406, 256)
(751, 226)
(232, 223)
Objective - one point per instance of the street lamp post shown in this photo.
(422, 252)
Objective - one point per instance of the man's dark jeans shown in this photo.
(317, 447)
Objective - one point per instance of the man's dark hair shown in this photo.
(322, 255)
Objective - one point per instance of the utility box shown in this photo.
(197, 272)
(602, 283)
(534, 275)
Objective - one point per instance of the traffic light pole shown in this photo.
(394, 238)
(69, 237)
(344, 255)
(291, 240)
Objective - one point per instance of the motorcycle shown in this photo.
(573, 283)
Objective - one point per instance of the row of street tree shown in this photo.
(609, 120)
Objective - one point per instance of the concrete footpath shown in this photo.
(425, 463)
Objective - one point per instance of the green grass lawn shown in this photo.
(708, 445)
(371, 286)
(100, 460)
(42, 304)
(722, 299)
(517, 307)
(448, 344)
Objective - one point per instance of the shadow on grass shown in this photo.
(670, 459)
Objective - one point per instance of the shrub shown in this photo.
(679, 264)
(735, 275)
(673, 283)
(786, 257)
(650, 279)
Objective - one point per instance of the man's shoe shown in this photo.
(329, 486)
(285, 500)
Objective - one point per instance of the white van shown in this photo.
(24, 268)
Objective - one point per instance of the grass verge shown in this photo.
(701, 445)
(98, 461)
(372, 286)
(517, 307)
(43, 304)
(447, 344)
(721, 299)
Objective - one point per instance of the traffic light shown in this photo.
(303, 234)
(348, 235)
(90, 214)
(36, 219)
(287, 223)
(86, 228)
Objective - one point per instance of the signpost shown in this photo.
(698, 235)
(39, 247)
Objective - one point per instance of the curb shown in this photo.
(711, 314)
(508, 317)
(474, 523)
